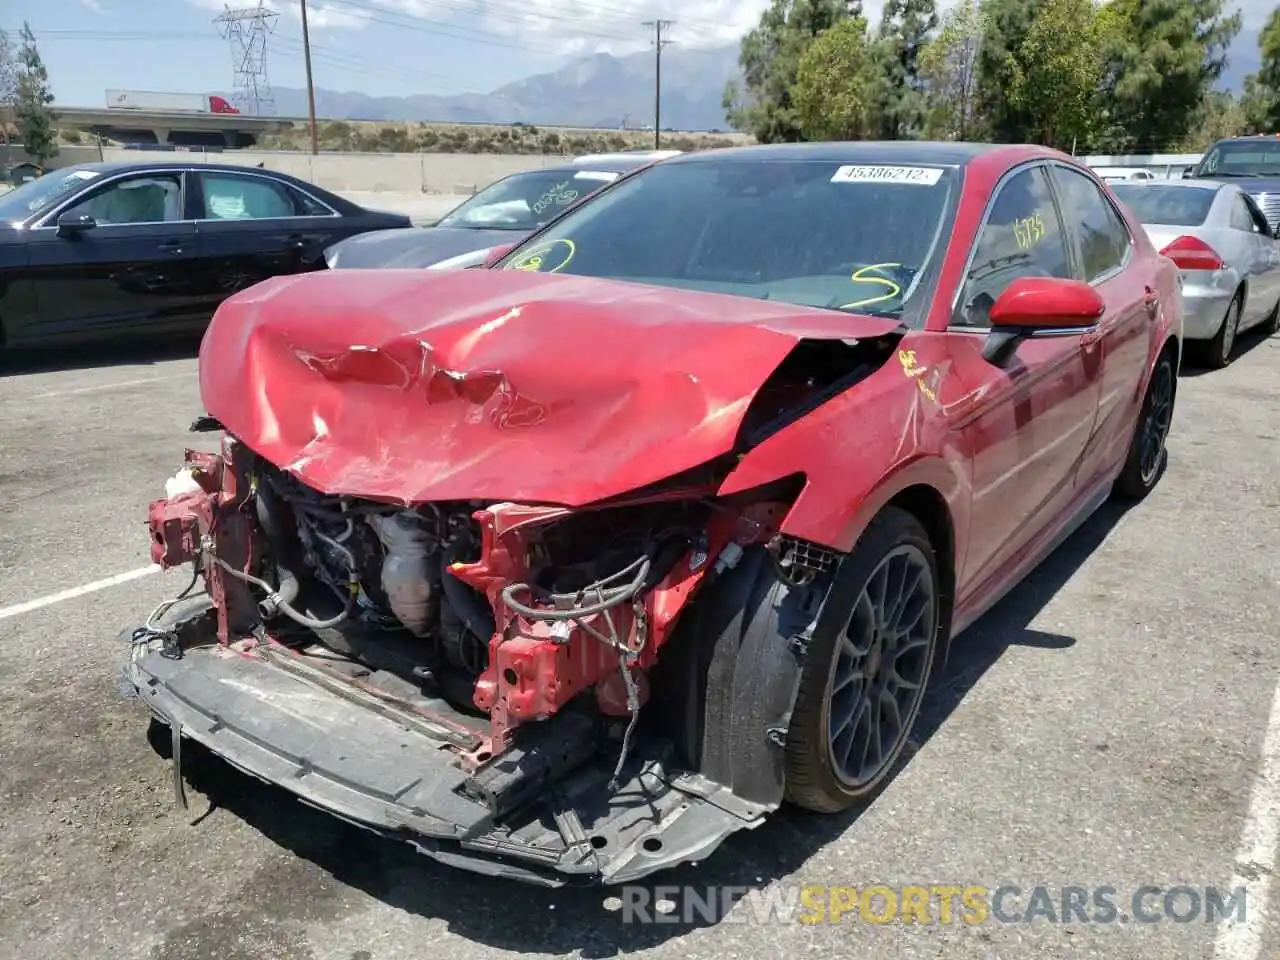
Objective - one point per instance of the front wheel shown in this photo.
(865, 675)
(1148, 452)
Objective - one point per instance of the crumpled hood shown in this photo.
(416, 247)
(411, 386)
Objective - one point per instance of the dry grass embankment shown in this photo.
(358, 136)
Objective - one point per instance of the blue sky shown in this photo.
(379, 47)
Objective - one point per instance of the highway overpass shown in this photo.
(183, 129)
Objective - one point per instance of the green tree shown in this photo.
(949, 69)
(1055, 73)
(1005, 26)
(1261, 101)
(33, 101)
(898, 97)
(8, 85)
(1165, 58)
(769, 57)
(833, 80)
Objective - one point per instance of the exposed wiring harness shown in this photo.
(150, 631)
(599, 598)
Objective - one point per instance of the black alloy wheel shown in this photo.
(867, 667)
(1148, 450)
(881, 666)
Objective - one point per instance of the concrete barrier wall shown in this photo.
(436, 173)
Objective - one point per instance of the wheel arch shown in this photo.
(927, 504)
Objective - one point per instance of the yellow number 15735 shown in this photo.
(1028, 231)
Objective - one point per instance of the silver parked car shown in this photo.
(1227, 252)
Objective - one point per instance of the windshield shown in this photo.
(1160, 205)
(815, 233)
(526, 201)
(20, 203)
(1241, 158)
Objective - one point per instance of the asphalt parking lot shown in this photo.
(1107, 725)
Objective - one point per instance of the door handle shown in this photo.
(1152, 301)
(296, 241)
(171, 246)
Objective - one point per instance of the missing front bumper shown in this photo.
(397, 777)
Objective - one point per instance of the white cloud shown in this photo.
(93, 5)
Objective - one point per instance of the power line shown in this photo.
(658, 43)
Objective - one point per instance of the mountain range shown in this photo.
(596, 91)
(605, 91)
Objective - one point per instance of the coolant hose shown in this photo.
(470, 606)
(276, 602)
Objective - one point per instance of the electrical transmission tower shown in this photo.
(248, 28)
(659, 41)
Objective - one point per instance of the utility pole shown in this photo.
(311, 88)
(658, 43)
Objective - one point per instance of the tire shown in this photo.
(816, 777)
(1144, 465)
(1217, 352)
(1271, 326)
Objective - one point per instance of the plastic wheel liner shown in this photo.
(391, 771)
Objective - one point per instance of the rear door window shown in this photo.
(228, 196)
(1103, 239)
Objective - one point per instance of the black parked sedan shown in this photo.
(500, 214)
(104, 250)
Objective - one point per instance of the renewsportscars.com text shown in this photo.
(931, 904)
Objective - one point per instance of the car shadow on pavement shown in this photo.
(16, 362)
(1247, 342)
(506, 915)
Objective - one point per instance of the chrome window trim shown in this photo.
(1033, 164)
(266, 176)
(1043, 163)
(49, 221)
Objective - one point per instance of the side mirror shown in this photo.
(1188, 173)
(497, 253)
(74, 224)
(1037, 307)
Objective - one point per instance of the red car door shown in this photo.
(1026, 422)
(1108, 259)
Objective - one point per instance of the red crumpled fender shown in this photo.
(866, 446)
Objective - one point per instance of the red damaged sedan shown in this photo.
(570, 566)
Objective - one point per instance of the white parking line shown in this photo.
(28, 606)
(119, 385)
(1256, 857)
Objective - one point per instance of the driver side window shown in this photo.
(1022, 237)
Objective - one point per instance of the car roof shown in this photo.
(947, 153)
(613, 164)
(1178, 184)
(141, 166)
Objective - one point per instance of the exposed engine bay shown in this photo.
(505, 612)
(600, 690)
